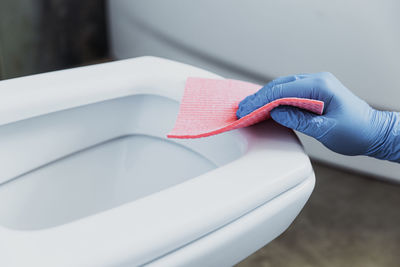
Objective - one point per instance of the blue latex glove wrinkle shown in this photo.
(348, 126)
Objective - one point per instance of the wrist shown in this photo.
(386, 144)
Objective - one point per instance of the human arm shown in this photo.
(348, 125)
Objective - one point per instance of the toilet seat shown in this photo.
(270, 181)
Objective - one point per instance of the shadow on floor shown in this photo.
(350, 220)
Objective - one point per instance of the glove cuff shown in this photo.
(389, 145)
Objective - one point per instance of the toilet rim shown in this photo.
(31, 96)
(165, 220)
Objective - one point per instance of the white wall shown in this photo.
(358, 41)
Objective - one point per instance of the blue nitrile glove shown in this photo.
(348, 126)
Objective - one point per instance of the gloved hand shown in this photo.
(348, 126)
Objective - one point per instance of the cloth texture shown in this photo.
(209, 106)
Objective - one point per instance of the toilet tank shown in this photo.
(257, 41)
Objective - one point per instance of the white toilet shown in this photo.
(88, 178)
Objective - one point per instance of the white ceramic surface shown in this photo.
(88, 178)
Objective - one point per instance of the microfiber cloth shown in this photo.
(209, 106)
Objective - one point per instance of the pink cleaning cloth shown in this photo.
(209, 107)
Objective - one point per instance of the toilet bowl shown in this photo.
(88, 177)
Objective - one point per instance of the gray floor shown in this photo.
(350, 220)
